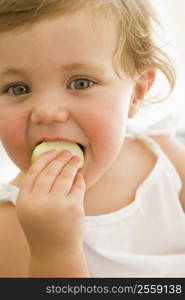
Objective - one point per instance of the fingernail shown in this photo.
(77, 158)
(51, 152)
(80, 171)
(66, 153)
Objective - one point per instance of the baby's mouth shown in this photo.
(82, 147)
(46, 145)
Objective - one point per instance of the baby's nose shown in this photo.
(48, 112)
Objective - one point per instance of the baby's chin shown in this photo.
(89, 181)
(92, 177)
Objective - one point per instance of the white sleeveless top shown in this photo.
(144, 239)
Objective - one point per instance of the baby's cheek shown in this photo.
(12, 135)
(11, 125)
(14, 143)
(12, 147)
(105, 133)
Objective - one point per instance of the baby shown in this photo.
(76, 71)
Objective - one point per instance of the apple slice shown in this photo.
(59, 146)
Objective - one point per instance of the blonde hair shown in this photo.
(136, 50)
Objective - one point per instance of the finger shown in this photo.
(66, 177)
(78, 188)
(48, 175)
(35, 169)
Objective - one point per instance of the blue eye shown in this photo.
(81, 84)
(18, 90)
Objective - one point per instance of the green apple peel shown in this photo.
(58, 146)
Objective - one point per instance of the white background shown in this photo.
(172, 39)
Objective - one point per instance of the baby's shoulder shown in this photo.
(141, 159)
(14, 250)
(174, 148)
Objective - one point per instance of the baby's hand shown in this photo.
(50, 203)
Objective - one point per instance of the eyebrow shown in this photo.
(83, 65)
(11, 71)
(80, 65)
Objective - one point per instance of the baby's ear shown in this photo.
(142, 86)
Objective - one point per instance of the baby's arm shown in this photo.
(15, 258)
(50, 211)
(175, 150)
(40, 250)
(61, 264)
(14, 248)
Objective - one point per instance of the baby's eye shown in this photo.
(81, 84)
(18, 90)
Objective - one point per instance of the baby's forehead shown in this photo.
(70, 40)
(98, 19)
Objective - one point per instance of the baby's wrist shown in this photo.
(71, 263)
(51, 251)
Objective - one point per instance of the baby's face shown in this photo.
(57, 81)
